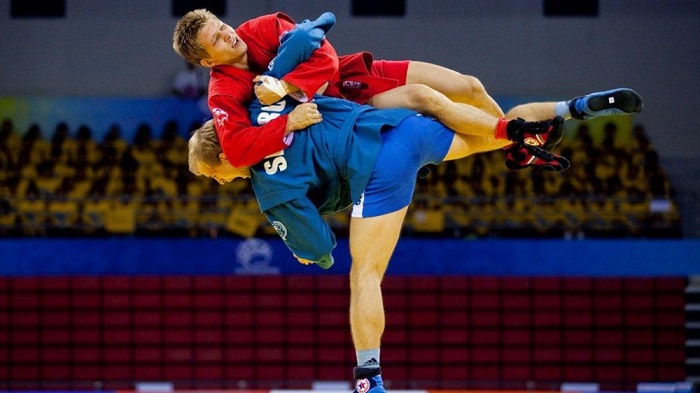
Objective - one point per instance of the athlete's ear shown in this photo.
(207, 62)
(222, 158)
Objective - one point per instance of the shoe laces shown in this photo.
(538, 127)
(539, 153)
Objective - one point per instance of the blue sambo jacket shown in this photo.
(326, 166)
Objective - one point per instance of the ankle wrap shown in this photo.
(366, 372)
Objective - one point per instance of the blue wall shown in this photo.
(22, 257)
(101, 113)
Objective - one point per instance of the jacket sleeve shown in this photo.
(242, 143)
(298, 44)
(320, 68)
(303, 230)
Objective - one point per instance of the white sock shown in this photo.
(561, 108)
(368, 357)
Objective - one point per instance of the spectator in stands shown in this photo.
(62, 146)
(32, 211)
(144, 147)
(9, 144)
(112, 147)
(9, 176)
(172, 146)
(62, 211)
(33, 149)
(610, 138)
(189, 83)
(8, 216)
(86, 149)
(128, 163)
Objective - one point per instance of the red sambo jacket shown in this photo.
(231, 89)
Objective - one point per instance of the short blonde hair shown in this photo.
(185, 41)
(204, 148)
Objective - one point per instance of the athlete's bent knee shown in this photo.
(424, 98)
(473, 86)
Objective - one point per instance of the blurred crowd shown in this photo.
(72, 184)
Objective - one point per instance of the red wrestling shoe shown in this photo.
(545, 134)
(523, 155)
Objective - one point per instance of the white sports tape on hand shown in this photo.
(274, 85)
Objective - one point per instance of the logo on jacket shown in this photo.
(220, 116)
(275, 163)
(280, 228)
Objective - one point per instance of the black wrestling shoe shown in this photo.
(368, 380)
(545, 134)
(606, 103)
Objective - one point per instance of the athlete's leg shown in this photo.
(602, 103)
(456, 86)
(518, 155)
(466, 120)
(372, 241)
(534, 111)
(462, 118)
(466, 145)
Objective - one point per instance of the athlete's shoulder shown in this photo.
(228, 80)
(264, 21)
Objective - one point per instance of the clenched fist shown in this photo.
(303, 116)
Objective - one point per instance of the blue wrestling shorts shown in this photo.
(415, 142)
